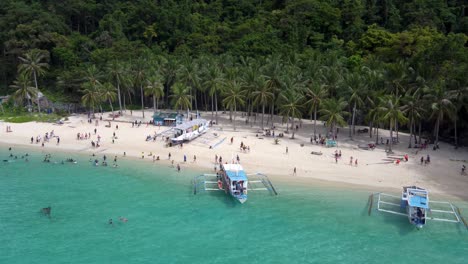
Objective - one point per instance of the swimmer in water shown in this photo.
(123, 219)
(110, 222)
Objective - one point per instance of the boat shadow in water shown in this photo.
(219, 195)
(370, 210)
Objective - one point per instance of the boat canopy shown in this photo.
(235, 172)
(418, 201)
(190, 124)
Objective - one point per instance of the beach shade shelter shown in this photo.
(331, 143)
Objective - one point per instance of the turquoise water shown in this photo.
(168, 224)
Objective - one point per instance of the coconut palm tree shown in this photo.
(413, 109)
(155, 88)
(234, 96)
(24, 90)
(459, 94)
(315, 92)
(390, 106)
(139, 80)
(91, 86)
(356, 87)
(181, 98)
(116, 72)
(441, 104)
(32, 63)
(290, 106)
(262, 96)
(108, 93)
(188, 74)
(213, 82)
(333, 113)
(91, 96)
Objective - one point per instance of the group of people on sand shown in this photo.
(425, 161)
(244, 148)
(83, 136)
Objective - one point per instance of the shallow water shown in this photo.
(168, 224)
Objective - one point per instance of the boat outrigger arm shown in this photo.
(209, 182)
(385, 204)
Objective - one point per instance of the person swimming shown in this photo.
(110, 222)
(123, 219)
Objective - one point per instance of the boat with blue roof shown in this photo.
(414, 203)
(233, 180)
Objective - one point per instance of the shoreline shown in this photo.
(265, 156)
(304, 182)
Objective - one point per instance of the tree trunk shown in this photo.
(142, 101)
(37, 89)
(157, 103)
(371, 127)
(212, 106)
(120, 97)
(391, 137)
(377, 134)
(455, 132)
(234, 117)
(437, 129)
(112, 108)
(216, 107)
(263, 113)
(125, 107)
(154, 103)
(315, 120)
(410, 133)
(419, 132)
(353, 121)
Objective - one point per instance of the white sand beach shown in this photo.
(374, 169)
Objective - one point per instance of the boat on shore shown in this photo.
(189, 131)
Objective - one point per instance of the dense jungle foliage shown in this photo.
(398, 64)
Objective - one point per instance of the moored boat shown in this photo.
(416, 202)
(234, 180)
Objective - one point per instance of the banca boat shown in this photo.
(189, 130)
(415, 205)
(234, 181)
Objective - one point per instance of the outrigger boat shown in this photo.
(234, 181)
(189, 130)
(414, 204)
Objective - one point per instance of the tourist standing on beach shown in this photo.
(286, 150)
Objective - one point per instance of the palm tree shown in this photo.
(390, 106)
(116, 72)
(181, 97)
(441, 104)
(154, 88)
(356, 87)
(234, 96)
(262, 96)
(33, 64)
(91, 87)
(316, 93)
(291, 104)
(24, 90)
(91, 96)
(140, 76)
(108, 94)
(413, 109)
(213, 83)
(458, 94)
(189, 75)
(333, 113)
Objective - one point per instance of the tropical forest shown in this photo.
(395, 64)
